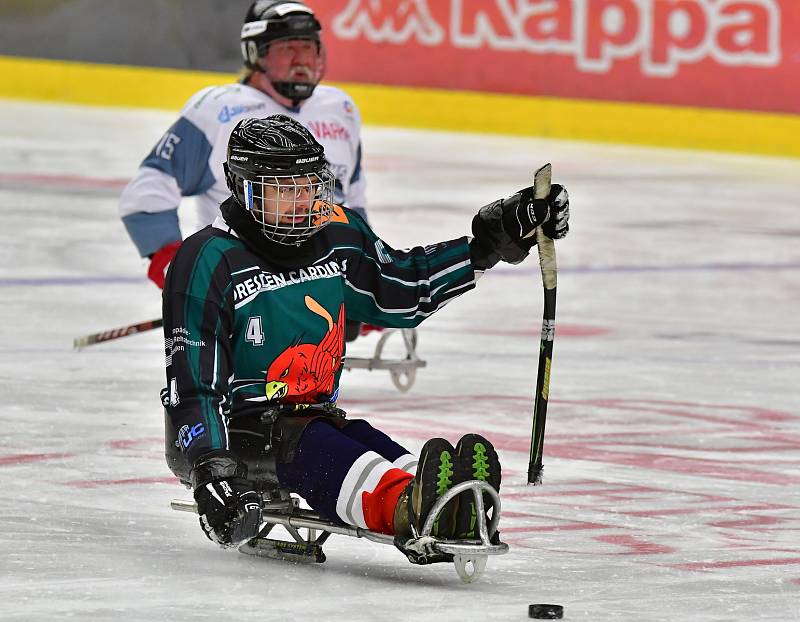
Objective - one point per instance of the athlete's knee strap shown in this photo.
(288, 429)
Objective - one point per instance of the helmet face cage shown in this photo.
(290, 209)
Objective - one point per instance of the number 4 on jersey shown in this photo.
(254, 333)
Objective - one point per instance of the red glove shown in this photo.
(159, 262)
(366, 329)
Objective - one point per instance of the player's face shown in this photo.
(290, 209)
(292, 60)
(288, 200)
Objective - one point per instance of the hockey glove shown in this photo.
(557, 226)
(229, 508)
(504, 230)
(159, 262)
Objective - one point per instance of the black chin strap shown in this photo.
(291, 91)
(285, 88)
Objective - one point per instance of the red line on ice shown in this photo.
(565, 527)
(23, 458)
(711, 509)
(69, 180)
(742, 563)
(678, 409)
(749, 521)
(635, 546)
(671, 464)
(134, 442)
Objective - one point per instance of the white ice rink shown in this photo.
(672, 455)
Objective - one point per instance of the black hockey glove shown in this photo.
(504, 230)
(557, 226)
(229, 508)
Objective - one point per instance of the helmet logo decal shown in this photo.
(248, 194)
(251, 29)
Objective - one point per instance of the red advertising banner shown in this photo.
(736, 54)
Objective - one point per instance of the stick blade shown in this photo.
(79, 343)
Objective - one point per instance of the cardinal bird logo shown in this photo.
(304, 371)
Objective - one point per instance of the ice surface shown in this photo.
(672, 456)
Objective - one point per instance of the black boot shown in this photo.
(477, 459)
(435, 476)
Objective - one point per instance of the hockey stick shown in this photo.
(116, 333)
(547, 262)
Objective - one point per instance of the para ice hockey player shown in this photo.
(254, 309)
(284, 61)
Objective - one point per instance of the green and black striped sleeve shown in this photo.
(198, 316)
(398, 288)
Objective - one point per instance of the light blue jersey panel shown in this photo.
(150, 232)
(183, 153)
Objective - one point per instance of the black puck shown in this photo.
(545, 612)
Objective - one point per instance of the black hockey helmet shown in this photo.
(276, 170)
(273, 20)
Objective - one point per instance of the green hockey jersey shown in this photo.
(244, 331)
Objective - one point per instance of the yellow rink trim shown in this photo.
(643, 124)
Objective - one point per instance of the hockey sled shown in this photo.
(403, 371)
(279, 508)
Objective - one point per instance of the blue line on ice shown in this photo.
(712, 267)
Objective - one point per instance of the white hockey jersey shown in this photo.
(188, 159)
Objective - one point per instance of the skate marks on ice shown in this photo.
(619, 514)
(664, 494)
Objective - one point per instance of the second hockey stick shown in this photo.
(547, 263)
(116, 333)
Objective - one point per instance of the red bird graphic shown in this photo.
(303, 372)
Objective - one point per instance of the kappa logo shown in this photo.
(393, 21)
(329, 130)
(662, 34)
